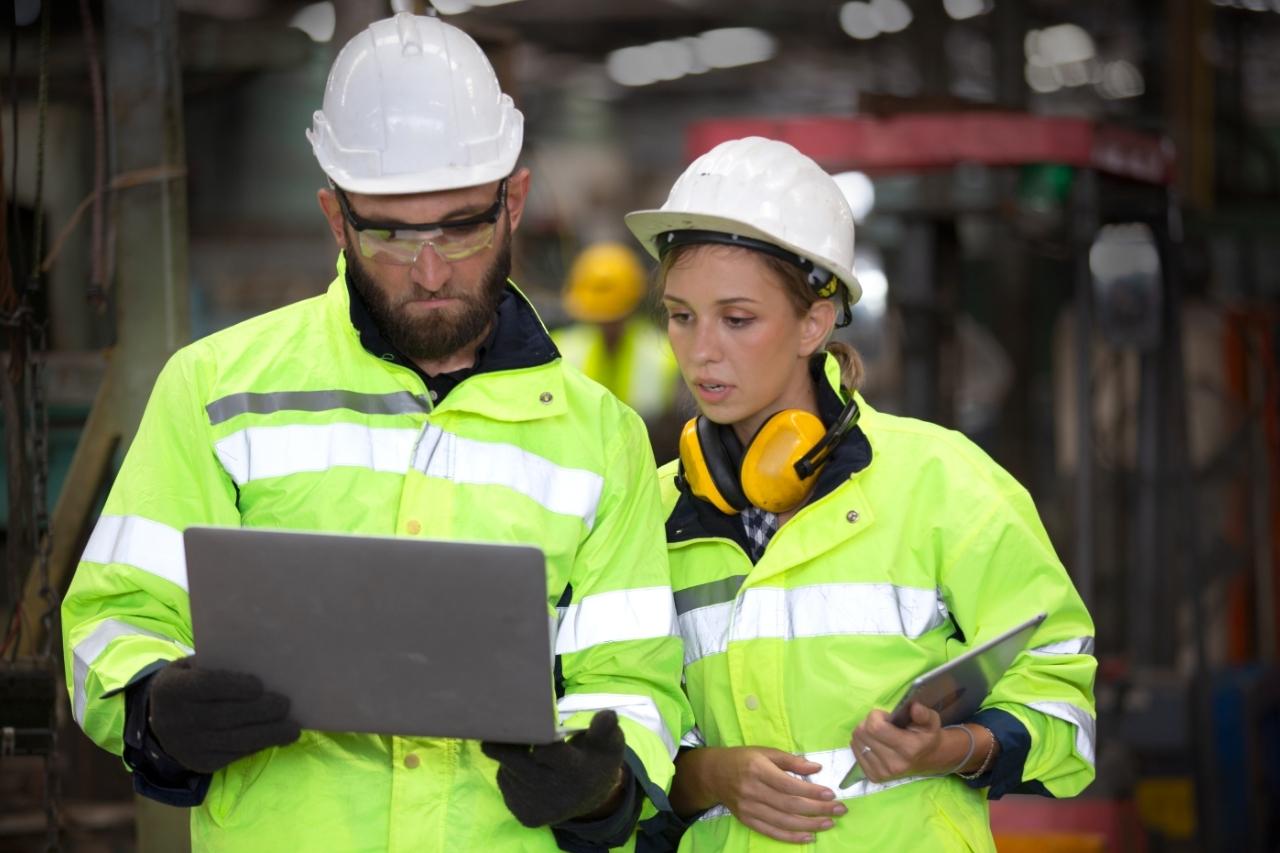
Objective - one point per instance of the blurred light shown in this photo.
(696, 64)
(962, 9)
(669, 60)
(632, 66)
(1041, 79)
(450, 7)
(858, 191)
(875, 284)
(491, 2)
(1124, 250)
(891, 16)
(1061, 44)
(1120, 79)
(1072, 73)
(316, 20)
(857, 20)
(734, 46)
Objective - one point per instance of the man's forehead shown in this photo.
(426, 207)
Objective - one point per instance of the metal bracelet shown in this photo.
(985, 765)
(973, 744)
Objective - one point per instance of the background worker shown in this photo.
(418, 396)
(823, 554)
(614, 342)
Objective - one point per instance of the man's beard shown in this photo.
(441, 333)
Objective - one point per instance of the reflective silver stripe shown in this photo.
(395, 403)
(87, 651)
(1083, 722)
(567, 491)
(812, 611)
(617, 616)
(693, 738)
(256, 453)
(835, 764)
(707, 594)
(135, 541)
(641, 709)
(1074, 646)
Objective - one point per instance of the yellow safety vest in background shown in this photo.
(642, 372)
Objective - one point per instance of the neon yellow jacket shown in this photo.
(902, 562)
(286, 421)
(642, 372)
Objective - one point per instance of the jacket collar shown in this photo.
(518, 359)
(692, 518)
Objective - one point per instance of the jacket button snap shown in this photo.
(751, 702)
(411, 760)
(851, 516)
(414, 527)
(545, 397)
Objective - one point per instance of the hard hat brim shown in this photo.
(647, 225)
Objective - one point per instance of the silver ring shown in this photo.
(865, 750)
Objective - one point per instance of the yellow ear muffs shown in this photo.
(709, 465)
(769, 477)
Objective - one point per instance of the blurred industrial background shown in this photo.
(1069, 242)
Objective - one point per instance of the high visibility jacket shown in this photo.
(901, 565)
(286, 421)
(642, 371)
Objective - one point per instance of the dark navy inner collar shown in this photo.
(516, 340)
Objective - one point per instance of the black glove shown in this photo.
(547, 785)
(205, 719)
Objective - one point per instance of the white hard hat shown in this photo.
(760, 189)
(412, 105)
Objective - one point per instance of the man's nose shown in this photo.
(429, 270)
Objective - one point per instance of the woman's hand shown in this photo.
(755, 784)
(888, 752)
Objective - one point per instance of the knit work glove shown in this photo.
(205, 719)
(551, 784)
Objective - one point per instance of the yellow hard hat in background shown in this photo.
(606, 283)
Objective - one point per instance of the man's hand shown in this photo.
(547, 785)
(756, 784)
(206, 719)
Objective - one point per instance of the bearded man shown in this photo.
(419, 396)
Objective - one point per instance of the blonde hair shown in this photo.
(801, 296)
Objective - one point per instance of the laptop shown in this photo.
(378, 634)
(956, 688)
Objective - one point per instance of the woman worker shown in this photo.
(824, 554)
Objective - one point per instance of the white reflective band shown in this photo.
(135, 541)
(835, 764)
(1074, 646)
(87, 651)
(693, 738)
(568, 491)
(1085, 724)
(256, 453)
(641, 709)
(611, 617)
(812, 611)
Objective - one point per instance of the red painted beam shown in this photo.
(943, 140)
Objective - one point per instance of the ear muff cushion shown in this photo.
(769, 479)
(710, 455)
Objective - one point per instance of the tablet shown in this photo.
(390, 635)
(957, 688)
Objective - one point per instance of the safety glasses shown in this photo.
(400, 243)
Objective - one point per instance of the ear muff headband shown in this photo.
(812, 462)
(821, 280)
